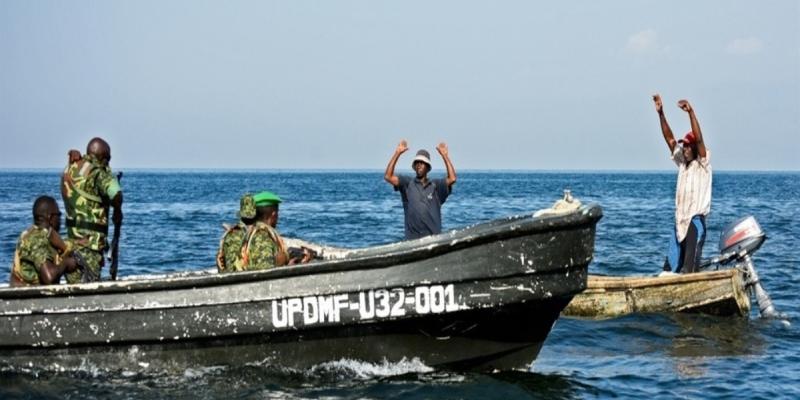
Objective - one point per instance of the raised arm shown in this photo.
(451, 171)
(389, 175)
(701, 145)
(665, 129)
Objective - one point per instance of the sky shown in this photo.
(337, 84)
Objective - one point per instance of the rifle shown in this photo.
(115, 243)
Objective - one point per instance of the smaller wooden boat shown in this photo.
(724, 291)
(715, 292)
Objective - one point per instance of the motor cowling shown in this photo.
(743, 236)
(737, 242)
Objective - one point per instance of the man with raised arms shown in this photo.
(692, 193)
(422, 197)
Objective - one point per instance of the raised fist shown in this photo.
(657, 101)
(442, 149)
(402, 147)
(684, 105)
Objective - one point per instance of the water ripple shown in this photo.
(173, 223)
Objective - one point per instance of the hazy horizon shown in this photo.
(398, 171)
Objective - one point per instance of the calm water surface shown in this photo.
(173, 223)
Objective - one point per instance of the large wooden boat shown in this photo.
(482, 297)
(720, 292)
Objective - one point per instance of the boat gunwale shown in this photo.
(360, 259)
(635, 282)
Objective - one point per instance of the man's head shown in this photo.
(100, 149)
(689, 147)
(267, 208)
(422, 163)
(46, 213)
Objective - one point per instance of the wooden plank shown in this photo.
(714, 292)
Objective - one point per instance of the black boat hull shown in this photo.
(484, 297)
(485, 339)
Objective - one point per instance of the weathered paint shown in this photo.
(714, 292)
(546, 264)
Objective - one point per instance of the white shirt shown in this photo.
(693, 192)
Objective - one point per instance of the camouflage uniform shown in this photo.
(229, 256)
(87, 187)
(32, 252)
(248, 247)
(264, 245)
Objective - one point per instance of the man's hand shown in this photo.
(304, 259)
(402, 147)
(685, 106)
(74, 156)
(659, 105)
(308, 255)
(442, 149)
(69, 264)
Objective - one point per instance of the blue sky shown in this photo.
(300, 84)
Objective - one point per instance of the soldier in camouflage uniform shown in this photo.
(89, 188)
(229, 256)
(41, 257)
(258, 245)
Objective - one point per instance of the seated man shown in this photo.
(255, 244)
(41, 257)
(229, 256)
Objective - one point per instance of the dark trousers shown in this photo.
(685, 256)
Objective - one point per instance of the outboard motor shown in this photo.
(737, 243)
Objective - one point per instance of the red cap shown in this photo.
(688, 139)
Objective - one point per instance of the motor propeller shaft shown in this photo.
(765, 306)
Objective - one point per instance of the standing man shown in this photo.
(692, 193)
(89, 188)
(41, 257)
(422, 197)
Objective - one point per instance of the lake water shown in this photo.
(173, 223)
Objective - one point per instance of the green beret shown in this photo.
(265, 199)
(247, 206)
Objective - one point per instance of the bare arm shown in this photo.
(55, 241)
(389, 175)
(665, 129)
(701, 145)
(50, 273)
(451, 171)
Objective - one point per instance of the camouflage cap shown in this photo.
(264, 199)
(247, 206)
